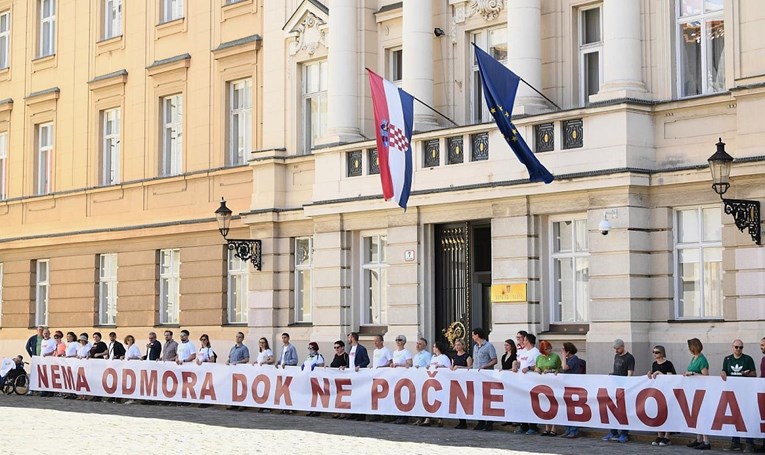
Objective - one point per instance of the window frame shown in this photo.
(47, 47)
(107, 289)
(475, 92)
(584, 49)
(556, 308)
(110, 146)
(702, 18)
(394, 59)
(171, 154)
(302, 269)
(239, 117)
(44, 159)
(701, 245)
(4, 165)
(112, 19)
(238, 279)
(5, 40)
(41, 307)
(172, 283)
(368, 266)
(308, 98)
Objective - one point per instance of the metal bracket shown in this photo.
(746, 214)
(247, 250)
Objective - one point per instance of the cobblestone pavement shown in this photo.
(34, 423)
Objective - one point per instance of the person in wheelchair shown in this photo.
(11, 369)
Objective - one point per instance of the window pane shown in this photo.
(582, 280)
(498, 43)
(690, 283)
(591, 26)
(713, 5)
(303, 301)
(690, 7)
(688, 226)
(715, 53)
(713, 295)
(690, 59)
(712, 225)
(564, 289)
(303, 251)
(580, 228)
(591, 73)
(562, 240)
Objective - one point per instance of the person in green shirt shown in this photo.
(547, 362)
(698, 366)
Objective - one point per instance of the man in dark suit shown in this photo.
(358, 357)
(153, 348)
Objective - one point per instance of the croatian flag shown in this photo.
(394, 117)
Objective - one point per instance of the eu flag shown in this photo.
(499, 88)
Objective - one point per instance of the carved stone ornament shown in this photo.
(489, 9)
(310, 35)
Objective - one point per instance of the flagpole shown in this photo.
(432, 109)
(540, 93)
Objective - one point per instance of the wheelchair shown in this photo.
(18, 385)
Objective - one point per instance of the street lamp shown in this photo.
(746, 213)
(244, 249)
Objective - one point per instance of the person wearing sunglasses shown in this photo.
(661, 366)
(740, 365)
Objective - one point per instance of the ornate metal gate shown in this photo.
(452, 275)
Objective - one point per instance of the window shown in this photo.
(701, 47)
(238, 289)
(375, 276)
(3, 165)
(570, 271)
(172, 135)
(303, 282)
(107, 289)
(112, 18)
(314, 102)
(44, 158)
(590, 51)
(47, 42)
(110, 147)
(41, 292)
(239, 121)
(169, 286)
(698, 253)
(494, 42)
(172, 10)
(5, 39)
(395, 59)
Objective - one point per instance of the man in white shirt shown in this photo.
(48, 347)
(422, 357)
(527, 360)
(187, 352)
(381, 358)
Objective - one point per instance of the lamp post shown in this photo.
(746, 213)
(244, 249)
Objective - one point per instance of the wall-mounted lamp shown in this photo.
(745, 213)
(604, 226)
(244, 249)
(438, 32)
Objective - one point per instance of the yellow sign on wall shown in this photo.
(508, 293)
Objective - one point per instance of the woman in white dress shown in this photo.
(438, 360)
(132, 351)
(206, 353)
(265, 355)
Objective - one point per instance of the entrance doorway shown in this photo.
(462, 279)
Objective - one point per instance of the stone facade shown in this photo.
(634, 149)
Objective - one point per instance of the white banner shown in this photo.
(697, 404)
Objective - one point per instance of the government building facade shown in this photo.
(123, 124)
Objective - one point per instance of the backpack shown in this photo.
(582, 366)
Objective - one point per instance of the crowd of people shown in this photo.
(524, 355)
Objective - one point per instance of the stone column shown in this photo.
(417, 57)
(622, 52)
(343, 74)
(524, 53)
